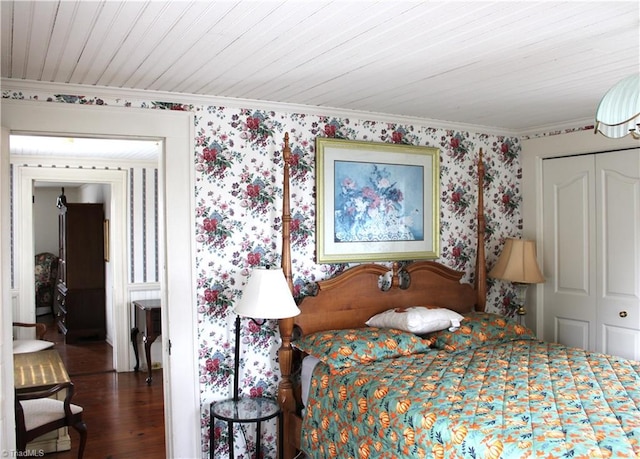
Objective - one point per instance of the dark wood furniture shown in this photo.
(352, 297)
(245, 410)
(80, 296)
(42, 375)
(152, 329)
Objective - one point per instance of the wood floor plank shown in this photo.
(124, 415)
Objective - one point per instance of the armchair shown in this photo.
(37, 414)
(45, 276)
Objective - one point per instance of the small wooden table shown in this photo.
(35, 371)
(152, 329)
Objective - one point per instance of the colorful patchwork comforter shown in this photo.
(511, 400)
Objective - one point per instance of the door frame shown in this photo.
(177, 213)
(24, 177)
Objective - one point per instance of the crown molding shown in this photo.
(80, 162)
(14, 85)
(583, 124)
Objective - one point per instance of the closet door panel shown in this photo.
(569, 247)
(618, 266)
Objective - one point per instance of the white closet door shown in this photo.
(569, 314)
(618, 258)
(591, 226)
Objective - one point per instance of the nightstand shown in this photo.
(241, 411)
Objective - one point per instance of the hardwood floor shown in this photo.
(124, 415)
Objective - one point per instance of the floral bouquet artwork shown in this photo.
(378, 202)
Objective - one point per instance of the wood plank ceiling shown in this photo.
(518, 66)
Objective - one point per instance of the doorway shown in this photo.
(182, 404)
(116, 181)
(94, 170)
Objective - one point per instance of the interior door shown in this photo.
(569, 314)
(618, 259)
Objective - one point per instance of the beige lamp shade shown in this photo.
(267, 296)
(517, 263)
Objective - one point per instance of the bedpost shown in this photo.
(481, 263)
(286, 215)
(286, 397)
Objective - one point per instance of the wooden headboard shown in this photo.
(351, 298)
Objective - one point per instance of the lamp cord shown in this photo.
(236, 373)
(236, 377)
(236, 367)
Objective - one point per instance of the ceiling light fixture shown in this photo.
(619, 111)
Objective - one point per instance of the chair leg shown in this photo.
(21, 444)
(81, 427)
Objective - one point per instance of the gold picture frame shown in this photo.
(105, 229)
(376, 201)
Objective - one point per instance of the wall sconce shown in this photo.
(619, 111)
(266, 296)
(517, 264)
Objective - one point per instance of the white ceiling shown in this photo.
(65, 147)
(514, 65)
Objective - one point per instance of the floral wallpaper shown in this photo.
(238, 202)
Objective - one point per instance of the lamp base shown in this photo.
(521, 289)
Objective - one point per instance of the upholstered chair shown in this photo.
(45, 275)
(37, 414)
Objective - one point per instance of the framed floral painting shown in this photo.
(376, 201)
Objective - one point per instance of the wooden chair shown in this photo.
(21, 346)
(41, 329)
(37, 414)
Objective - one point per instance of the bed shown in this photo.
(483, 387)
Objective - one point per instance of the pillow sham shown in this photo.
(416, 319)
(344, 349)
(479, 329)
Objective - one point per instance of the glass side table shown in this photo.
(244, 410)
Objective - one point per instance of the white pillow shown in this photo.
(417, 319)
(23, 346)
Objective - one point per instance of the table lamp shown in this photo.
(266, 296)
(517, 264)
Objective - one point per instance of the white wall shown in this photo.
(93, 193)
(45, 217)
(533, 151)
